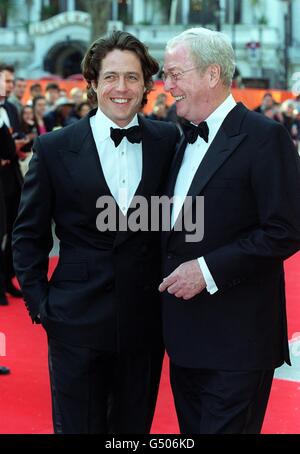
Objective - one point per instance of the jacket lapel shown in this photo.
(82, 162)
(226, 141)
(219, 151)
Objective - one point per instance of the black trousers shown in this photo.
(102, 392)
(220, 402)
(2, 276)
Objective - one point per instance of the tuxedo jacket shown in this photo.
(104, 290)
(250, 180)
(10, 175)
(7, 151)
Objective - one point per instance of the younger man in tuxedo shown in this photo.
(101, 308)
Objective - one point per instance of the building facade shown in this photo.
(43, 37)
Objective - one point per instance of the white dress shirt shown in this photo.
(193, 155)
(122, 165)
(4, 116)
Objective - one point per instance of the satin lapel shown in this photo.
(82, 163)
(219, 151)
(176, 163)
(172, 179)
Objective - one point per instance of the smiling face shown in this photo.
(120, 86)
(191, 89)
(9, 78)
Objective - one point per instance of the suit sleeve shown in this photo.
(32, 236)
(275, 185)
(7, 144)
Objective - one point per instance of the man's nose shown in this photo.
(121, 84)
(168, 83)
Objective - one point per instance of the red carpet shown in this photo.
(25, 396)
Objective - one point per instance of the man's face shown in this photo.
(20, 88)
(191, 89)
(52, 95)
(9, 78)
(40, 107)
(268, 101)
(2, 85)
(120, 86)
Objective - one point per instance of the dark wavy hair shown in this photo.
(91, 63)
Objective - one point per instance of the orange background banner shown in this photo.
(249, 96)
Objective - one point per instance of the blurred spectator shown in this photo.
(273, 112)
(289, 117)
(35, 90)
(82, 109)
(267, 102)
(76, 95)
(159, 111)
(297, 103)
(28, 126)
(7, 152)
(270, 108)
(61, 115)
(8, 71)
(10, 174)
(39, 111)
(52, 95)
(17, 95)
(63, 93)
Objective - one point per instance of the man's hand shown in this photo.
(185, 282)
(4, 162)
(19, 144)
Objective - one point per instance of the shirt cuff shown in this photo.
(211, 286)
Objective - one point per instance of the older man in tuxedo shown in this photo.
(224, 309)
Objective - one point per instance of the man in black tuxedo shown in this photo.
(224, 312)
(7, 153)
(10, 174)
(7, 150)
(101, 308)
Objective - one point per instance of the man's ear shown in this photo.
(214, 72)
(94, 85)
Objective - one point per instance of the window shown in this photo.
(237, 7)
(203, 11)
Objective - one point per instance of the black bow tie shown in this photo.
(133, 134)
(192, 132)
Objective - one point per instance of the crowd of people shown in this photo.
(118, 297)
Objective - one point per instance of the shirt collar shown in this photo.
(217, 117)
(103, 124)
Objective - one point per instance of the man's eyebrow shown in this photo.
(121, 72)
(172, 68)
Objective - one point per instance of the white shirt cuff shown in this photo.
(211, 286)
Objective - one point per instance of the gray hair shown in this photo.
(208, 47)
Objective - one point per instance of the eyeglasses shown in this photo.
(176, 76)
